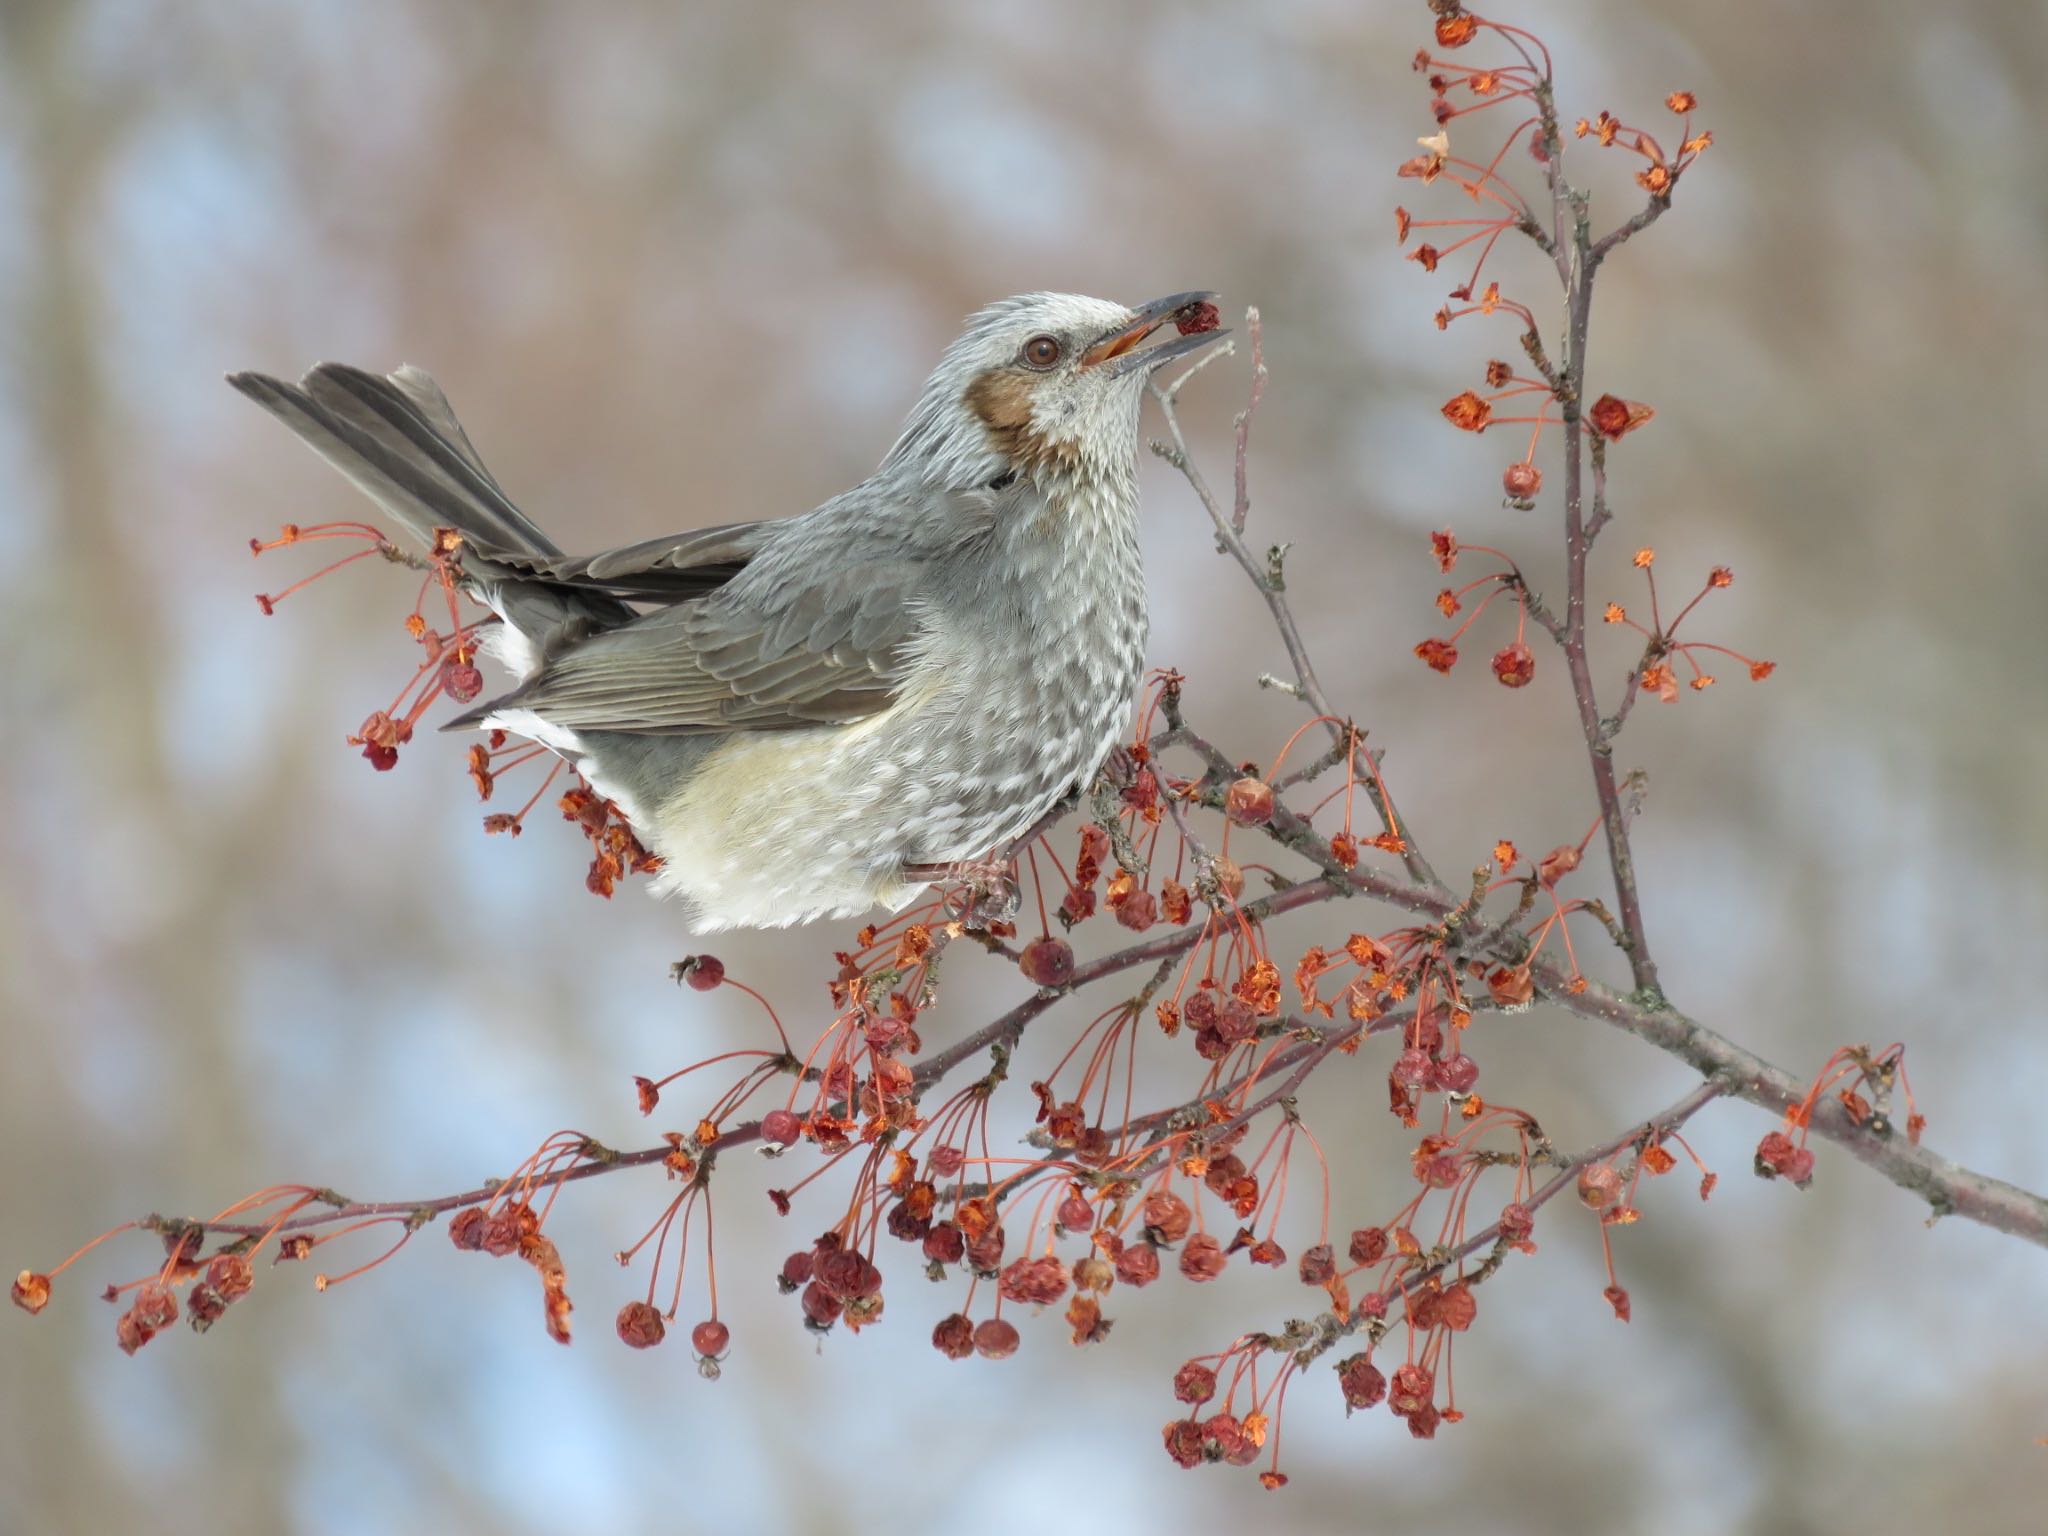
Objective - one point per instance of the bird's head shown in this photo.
(1045, 384)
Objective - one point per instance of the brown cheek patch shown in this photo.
(1001, 399)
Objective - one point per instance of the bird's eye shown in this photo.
(1041, 351)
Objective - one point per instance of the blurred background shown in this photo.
(687, 264)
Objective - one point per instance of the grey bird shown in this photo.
(813, 715)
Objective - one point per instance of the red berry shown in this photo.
(1194, 1383)
(1522, 480)
(781, 1127)
(1514, 665)
(1414, 1068)
(995, 1339)
(701, 971)
(1457, 1074)
(1318, 1265)
(31, 1291)
(1035, 1282)
(1193, 319)
(1138, 911)
(640, 1325)
(1368, 1245)
(1167, 1217)
(1047, 962)
(1413, 1386)
(1599, 1186)
(1075, 1213)
(383, 759)
(1184, 1439)
(944, 1244)
(1361, 1381)
(461, 680)
(1203, 1258)
(954, 1337)
(1249, 802)
(796, 1270)
(821, 1307)
(1138, 1265)
(710, 1337)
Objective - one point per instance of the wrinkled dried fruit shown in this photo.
(1047, 962)
(1194, 1383)
(1440, 654)
(1249, 802)
(1361, 1382)
(31, 1291)
(1468, 413)
(1514, 665)
(1203, 1258)
(1193, 319)
(1613, 417)
(1455, 31)
(640, 1325)
(954, 1336)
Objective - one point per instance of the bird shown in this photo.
(811, 716)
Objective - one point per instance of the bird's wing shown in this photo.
(674, 566)
(817, 631)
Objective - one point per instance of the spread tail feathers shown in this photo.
(396, 437)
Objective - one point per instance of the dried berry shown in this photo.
(1203, 1258)
(1138, 1265)
(781, 1127)
(1184, 1442)
(1457, 1074)
(954, 1336)
(1034, 1282)
(1360, 1381)
(1249, 802)
(703, 972)
(1514, 665)
(31, 1291)
(1440, 654)
(996, 1338)
(1196, 318)
(1318, 1265)
(1368, 1245)
(1613, 417)
(461, 680)
(1467, 412)
(1599, 1186)
(1047, 962)
(640, 1325)
(1194, 1383)
(1166, 1216)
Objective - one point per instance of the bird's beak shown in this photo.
(1118, 351)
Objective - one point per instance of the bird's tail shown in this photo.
(396, 437)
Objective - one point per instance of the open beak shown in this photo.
(1120, 351)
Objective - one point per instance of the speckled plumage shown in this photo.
(909, 676)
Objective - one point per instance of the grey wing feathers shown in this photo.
(831, 656)
(674, 566)
(820, 627)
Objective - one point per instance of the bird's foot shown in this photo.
(986, 890)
